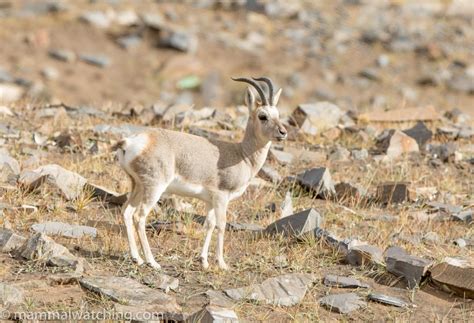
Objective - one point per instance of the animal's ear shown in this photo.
(250, 99)
(276, 97)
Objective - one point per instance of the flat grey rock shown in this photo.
(69, 183)
(63, 55)
(10, 92)
(10, 241)
(180, 40)
(402, 264)
(388, 300)
(64, 229)
(339, 154)
(343, 282)
(464, 216)
(162, 281)
(99, 19)
(364, 254)
(129, 42)
(444, 208)
(42, 248)
(270, 174)
(214, 314)
(10, 295)
(282, 157)
(234, 226)
(128, 291)
(318, 180)
(96, 60)
(285, 290)
(165, 312)
(296, 225)
(218, 298)
(343, 303)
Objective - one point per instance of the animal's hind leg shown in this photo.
(129, 209)
(210, 225)
(149, 198)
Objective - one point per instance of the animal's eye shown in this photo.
(262, 117)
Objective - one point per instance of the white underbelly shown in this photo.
(182, 188)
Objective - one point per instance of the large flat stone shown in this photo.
(455, 275)
(42, 248)
(162, 281)
(64, 229)
(148, 313)
(127, 291)
(343, 303)
(343, 282)
(69, 183)
(297, 224)
(285, 290)
(218, 298)
(402, 264)
(364, 255)
(214, 314)
(387, 300)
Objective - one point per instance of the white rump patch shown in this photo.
(133, 148)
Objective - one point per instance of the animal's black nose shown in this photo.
(282, 131)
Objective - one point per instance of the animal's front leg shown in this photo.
(220, 209)
(210, 225)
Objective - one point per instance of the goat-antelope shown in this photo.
(168, 162)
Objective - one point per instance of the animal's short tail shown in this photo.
(120, 148)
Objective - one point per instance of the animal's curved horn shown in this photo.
(269, 84)
(255, 85)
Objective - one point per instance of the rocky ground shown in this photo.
(365, 213)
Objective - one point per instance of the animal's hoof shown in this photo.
(204, 264)
(139, 261)
(153, 264)
(223, 265)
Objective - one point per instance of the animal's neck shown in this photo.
(255, 151)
